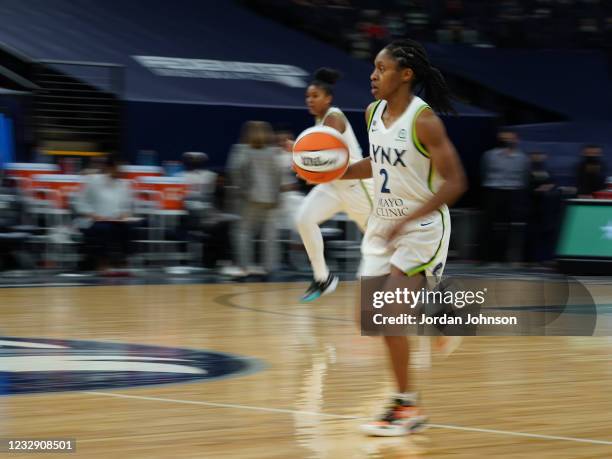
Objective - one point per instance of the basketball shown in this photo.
(320, 154)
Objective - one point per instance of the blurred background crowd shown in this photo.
(241, 221)
(110, 164)
(361, 27)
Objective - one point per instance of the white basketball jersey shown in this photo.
(403, 173)
(348, 135)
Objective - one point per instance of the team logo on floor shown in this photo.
(48, 365)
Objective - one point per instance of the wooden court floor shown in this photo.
(514, 397)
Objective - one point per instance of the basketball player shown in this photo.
(327, 199)
(417, 174)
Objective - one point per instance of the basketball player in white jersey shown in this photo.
(417, 174)
(327, 199)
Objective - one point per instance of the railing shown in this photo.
(78, 103)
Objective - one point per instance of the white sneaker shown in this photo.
(400, 419)
(318, 289)
(256, 271)
(233, 271)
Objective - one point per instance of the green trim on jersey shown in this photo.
(422, 267)
(419, 146)
(372, 114)
(430, 176)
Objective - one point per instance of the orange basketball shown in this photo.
(320, 154)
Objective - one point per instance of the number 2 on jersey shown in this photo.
(383, 188)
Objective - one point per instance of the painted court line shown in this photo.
(523, 434)
(340, 416)
(225, 405)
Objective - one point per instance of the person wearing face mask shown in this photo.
(543, 213)
(505, 175)
(591, 175)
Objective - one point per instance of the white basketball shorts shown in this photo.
(421, 247)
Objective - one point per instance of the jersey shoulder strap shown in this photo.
(420, 106)
(373, 112)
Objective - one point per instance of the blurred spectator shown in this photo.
(106, 205)
(260, 183)
(591, 175)
(12, 238)
(505, 175)
(94, 165)
(359, 43)
(12, 205)
(200, 180)
(173, 168)
(504, 23)
(395, 26)
(291, 197)
(205, 220)
(544, 211)
(588, 32)
(234, 201)
(376, 32)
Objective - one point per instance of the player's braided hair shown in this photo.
(325, 78)
(410, 53)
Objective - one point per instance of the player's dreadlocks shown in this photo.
(410, 53)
